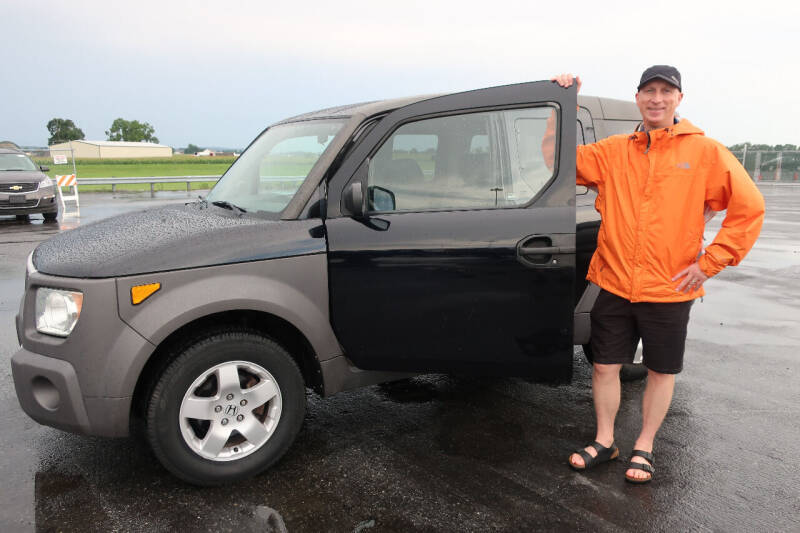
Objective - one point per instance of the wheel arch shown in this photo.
(267, 324)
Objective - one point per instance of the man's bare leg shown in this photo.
(655, 403)
(606, 394)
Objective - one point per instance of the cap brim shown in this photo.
(659, 77)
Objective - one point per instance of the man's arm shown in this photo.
(590, 160)
(728, 186)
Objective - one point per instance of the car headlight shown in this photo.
(57, 311)
(47, 187)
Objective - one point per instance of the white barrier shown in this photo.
(68, 180)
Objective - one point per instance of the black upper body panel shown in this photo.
(171, 238)
(363, 108)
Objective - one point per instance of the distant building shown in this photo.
(9, 144)
(215, 153)
(111, 149)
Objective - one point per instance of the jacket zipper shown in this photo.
(641, 227)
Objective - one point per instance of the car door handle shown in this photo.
(546, 250)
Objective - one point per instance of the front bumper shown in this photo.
(83, 383)
(49, 392)
(43, 200)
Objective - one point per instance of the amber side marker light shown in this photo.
(140, 293)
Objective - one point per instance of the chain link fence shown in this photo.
(771, 166)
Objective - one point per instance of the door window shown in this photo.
(470, 161)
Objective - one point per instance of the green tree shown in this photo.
(192, 149)
(785, 147)
(753, 147)
(131, 131)
(63, 130)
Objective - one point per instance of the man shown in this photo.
(654, 186)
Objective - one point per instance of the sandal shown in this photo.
(647, 456)
(603, 455)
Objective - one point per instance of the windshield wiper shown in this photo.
(14, 170)
(228, 205)
(202, 202)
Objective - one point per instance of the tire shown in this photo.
(240, 428)
(22, 218)
(629, 372)
(50, 217)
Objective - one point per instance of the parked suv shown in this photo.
(345, 247)
(24, 188)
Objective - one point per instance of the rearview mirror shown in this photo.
(381, 199)
(44, 168)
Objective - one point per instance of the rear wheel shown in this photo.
(50, 217)
(227, 408)
(22, 218)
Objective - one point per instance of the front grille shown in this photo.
(18, 187)
(5, 204)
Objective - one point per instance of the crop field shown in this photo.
(177, 165)
(277, 165)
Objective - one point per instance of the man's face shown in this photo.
(657, 101)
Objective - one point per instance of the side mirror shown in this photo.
(354, 199)
(44, 168)
(381, 199)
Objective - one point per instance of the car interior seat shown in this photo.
(405, 179)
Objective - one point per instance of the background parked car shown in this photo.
(25, 189)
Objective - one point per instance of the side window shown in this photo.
(579, 139)
(471, 161)
(529, 170)
(587, 125)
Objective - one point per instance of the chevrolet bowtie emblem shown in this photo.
(15, 187)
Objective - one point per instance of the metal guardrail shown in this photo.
(152, 180)
(188, 180)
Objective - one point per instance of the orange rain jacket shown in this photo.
(652, 191)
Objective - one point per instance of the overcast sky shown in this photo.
(217, 73)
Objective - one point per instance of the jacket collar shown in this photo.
(680, 127)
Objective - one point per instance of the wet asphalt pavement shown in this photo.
(444, 453)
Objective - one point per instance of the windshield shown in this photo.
(16, 162)
(267, 175)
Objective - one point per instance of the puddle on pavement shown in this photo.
(65, 503)
(412, 390)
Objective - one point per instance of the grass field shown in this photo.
(177, 165)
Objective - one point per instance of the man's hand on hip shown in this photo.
(566, 80)
(693, 280)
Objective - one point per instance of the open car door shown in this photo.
(451, 236)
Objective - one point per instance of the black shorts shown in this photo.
(618, 324)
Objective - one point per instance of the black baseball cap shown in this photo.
(662, 72)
